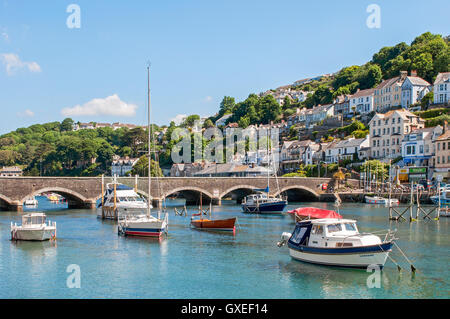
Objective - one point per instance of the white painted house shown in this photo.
(362, 101)
(418, 146)
(414, 89)
(441, 88)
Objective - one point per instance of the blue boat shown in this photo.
(263, 204)
(443, 198)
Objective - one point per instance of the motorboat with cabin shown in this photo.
(120, 199)
(336, 242)
(263, 204)
(442, 198)
(34, 227)
(143, 225)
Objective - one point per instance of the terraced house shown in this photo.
(442, 88)
(388, 93)
(388, 130)
(442, 155)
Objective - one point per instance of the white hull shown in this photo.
(143, 226)
(381, 200)
(42, 234)
(357, 260)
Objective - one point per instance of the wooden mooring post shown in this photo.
(426, 211)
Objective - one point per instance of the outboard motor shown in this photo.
(284, 238)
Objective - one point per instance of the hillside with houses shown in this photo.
(393, 109)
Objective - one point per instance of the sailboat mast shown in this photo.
(149, 209)
(268, 165)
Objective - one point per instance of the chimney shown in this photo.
(413, 72)
(403, 74)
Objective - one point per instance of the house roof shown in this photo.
(390, 82)
(352, 142)
(444, 136)
(415, 80)
(360, 93)
(442, 77)
(401, 112)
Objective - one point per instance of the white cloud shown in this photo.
(26, 113)
(178, 119)
(111, 105)
(13, 63)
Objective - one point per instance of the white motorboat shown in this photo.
(336, 242)
(32, 201)
(143, 225)
(34, 227)
(120, 199)
(380, 200)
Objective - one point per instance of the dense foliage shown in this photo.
(54, 149)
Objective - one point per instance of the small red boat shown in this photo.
(218, 224)
(210, 224)
(312, 213)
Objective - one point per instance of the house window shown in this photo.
(410, 150)
(439, 146)
(421, 149)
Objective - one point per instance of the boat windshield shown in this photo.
(350, 226)
(333, 228)
(33, 220)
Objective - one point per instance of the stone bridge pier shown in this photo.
(83, 192)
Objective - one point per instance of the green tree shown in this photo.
(67, 124)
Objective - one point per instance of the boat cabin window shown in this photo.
(317, 230)
(298, 234)
(333, 228)
(33, 220)
(350, 226)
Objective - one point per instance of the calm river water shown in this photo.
(197, 264)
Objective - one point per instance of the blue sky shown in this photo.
(200, 51)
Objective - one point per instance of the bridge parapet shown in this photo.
(84, 191)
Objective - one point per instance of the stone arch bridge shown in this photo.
(83, 192)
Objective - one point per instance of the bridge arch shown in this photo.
(71, 196)
(298, 192)
(191, 194)
(237, 187)
(4, 200)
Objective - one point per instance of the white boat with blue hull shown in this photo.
(442, 198)
(336, 242)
